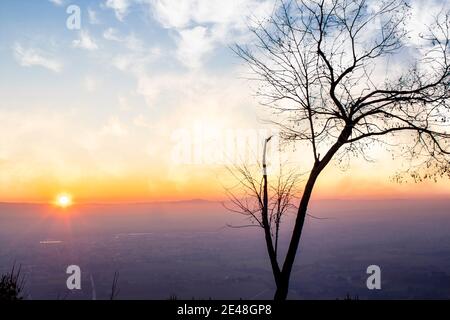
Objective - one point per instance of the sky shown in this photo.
(144, 102)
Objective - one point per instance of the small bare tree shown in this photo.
(323, 68)
(263, 201)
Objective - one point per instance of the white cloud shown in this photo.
(85, 42)
(58, 3)
(172, 14)
(422, 14)
(133, 43)
(112, 35)
(123, 62)
(34, 57)
(201, 26)
(150, 88)
(232, 14)
(209, 23)
(193, 45)
(130, 41)
(135, 62)
(93, 18)
(136, 56)
(120, 7)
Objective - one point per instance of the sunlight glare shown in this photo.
(64, 200)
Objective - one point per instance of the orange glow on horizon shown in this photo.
(201, 183)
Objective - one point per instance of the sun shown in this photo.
(63, 200)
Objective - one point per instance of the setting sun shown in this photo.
(64, 200)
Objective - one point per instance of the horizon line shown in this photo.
(199, 200)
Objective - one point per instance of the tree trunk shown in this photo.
(283, 283)
(283, 286)
(282, 289)
(265, 220)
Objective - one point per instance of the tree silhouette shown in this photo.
(264, 203)
(318, 65)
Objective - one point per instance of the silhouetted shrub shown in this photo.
(11, 285)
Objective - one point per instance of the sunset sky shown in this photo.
(144, 103)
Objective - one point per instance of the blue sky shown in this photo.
(123, 44)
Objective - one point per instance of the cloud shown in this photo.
(201, 26)
(58, 3)
(120, 7)
(194, 93)
(422, 14)
(93, 18)
(85, 42)
(33, 57)
(231, 14)
(176, 14)
(130, 41)
(112, 35)
(136, 55)
(173, 14)
(193, 45)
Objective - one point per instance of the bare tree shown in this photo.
(265, 203)
(323, 69)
